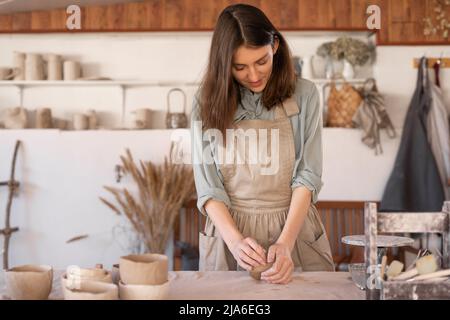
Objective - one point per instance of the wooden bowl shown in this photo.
(144, 269)
(91, 290)
(29, 282)
(145, 292)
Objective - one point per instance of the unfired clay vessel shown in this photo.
(44, 118)
(16, 118)
(150, 268)
(29, 282)
(145, 292)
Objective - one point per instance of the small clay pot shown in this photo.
(44, 118)
(29, 282)
(256, 272)
(80, 121)
(145, 292)
(150, 268)
(16, 118)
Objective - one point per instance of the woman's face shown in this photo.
(252, 66)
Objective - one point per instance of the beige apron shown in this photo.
(260, 203)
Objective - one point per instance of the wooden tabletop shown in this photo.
(238, 285)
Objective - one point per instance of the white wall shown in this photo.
(62, 173)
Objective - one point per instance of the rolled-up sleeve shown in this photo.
(308, 165)
(208, 181)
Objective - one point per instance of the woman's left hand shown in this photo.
(281, 271)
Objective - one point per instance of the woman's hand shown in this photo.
(281, 271)
(248, 253)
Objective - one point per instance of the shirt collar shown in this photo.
(250, 105)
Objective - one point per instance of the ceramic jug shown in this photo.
(19, 64)
(34, 67)
(8, 73)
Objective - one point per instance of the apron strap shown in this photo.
(287, 108)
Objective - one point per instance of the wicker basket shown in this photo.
(342, 105)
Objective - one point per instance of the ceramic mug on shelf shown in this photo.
(142, 118)
(8, 73)
(80, 121)
(72, 70)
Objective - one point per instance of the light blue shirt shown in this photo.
(307, 131)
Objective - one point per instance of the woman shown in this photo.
(256, 217)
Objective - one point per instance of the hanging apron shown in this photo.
(414, 184)
(260, 202)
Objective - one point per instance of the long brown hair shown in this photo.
(238, 25)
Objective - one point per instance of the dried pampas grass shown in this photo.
(162, 190)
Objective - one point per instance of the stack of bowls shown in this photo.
(88, 284)
(144, 277)
(29, 282)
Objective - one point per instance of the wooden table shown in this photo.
(238, 285)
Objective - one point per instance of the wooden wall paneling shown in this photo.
(383, 33)
(174, 14)
(343, 13)
(400, 11)
(21, 21)
(116, 16)
(255, 3)
(5, 23)
(154, 13)
(40, 20)
(95, 18)
(429, 12)
(58, 19)
(316, 14)
(137, 16)
(282, 13)
(358, 13)
(288, 14)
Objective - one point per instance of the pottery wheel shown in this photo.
(383, 241)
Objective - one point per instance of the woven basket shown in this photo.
(342, 105)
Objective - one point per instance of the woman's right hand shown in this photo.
(248, 253)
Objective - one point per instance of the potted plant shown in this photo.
(352, 52)
(161, 192)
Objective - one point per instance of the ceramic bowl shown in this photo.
(90, 290)
(145, 292)
(144, 269)
(29, 282)
(93, 274)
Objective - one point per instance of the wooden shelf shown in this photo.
(125, 83)
(136, 83)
